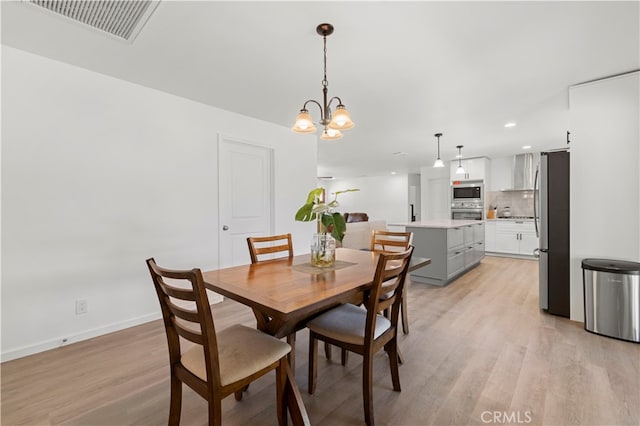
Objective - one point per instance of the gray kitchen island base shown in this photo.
(454, 247)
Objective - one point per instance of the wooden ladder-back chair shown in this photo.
(364, 330)
(269, 247)
(259, 246)
(390, 242)
(220, 363)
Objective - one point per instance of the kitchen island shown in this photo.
(454, 247)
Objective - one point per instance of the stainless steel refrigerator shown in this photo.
(551, 211)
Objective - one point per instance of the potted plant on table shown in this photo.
(331, 226)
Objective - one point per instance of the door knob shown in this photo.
(225, 228)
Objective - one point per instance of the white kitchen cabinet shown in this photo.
(475, 168)
(507, 241)
(490, 235)
(514, 237)
(528, 242)
(501, 174)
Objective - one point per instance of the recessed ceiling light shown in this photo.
(400, 153)
(526, 147)
(326, 178)
(511, 124)
(393, 173)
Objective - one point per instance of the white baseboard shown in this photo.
(88, 334)
(78, 337)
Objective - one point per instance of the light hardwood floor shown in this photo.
(479, 352)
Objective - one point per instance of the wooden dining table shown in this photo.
(286, 293)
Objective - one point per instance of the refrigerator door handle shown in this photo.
(535, 200)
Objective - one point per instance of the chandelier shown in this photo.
(334, 122)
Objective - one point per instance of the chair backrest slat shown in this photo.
(259, 246)
(184, 314)
(189, 334)
(390, 241)
(178, 293)
(195, 325)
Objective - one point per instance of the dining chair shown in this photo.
(220, 363)
(362, 329)
(388, 242)
(262, 249)
(268, 246)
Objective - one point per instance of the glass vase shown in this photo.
(323, 250)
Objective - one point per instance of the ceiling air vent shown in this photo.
(122, 19)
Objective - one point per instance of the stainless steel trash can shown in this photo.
(612, 298)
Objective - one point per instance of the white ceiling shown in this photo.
(404, 70)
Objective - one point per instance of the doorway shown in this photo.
(245, 191)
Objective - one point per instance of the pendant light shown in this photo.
(438, 162)
(460, 169)
(334, 122)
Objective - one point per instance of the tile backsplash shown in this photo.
(520, 202)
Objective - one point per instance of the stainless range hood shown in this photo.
(524, 167)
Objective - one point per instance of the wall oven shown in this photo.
(466, 214)
(467, 200)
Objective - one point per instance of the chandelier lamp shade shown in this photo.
(333, 122)
(460, 169)
(438, 163)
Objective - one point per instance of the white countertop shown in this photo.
(443, 223)
(511, 219)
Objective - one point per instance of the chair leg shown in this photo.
(215, 411)
(345, 356)
(313, 360)
(175, 406)
(327, 351)
(367, 388)
(281, 397)
(238, 395)
(391, 348)
(403, 308)
(291, 340)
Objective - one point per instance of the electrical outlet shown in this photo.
(81, 306)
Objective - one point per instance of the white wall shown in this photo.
(435, 198)
(99, 174)
(381, 197)
(415, 196)
(605, 183)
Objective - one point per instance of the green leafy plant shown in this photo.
(317, 209)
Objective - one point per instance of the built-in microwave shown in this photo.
(467, 190)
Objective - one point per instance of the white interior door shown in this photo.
(246, 201)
